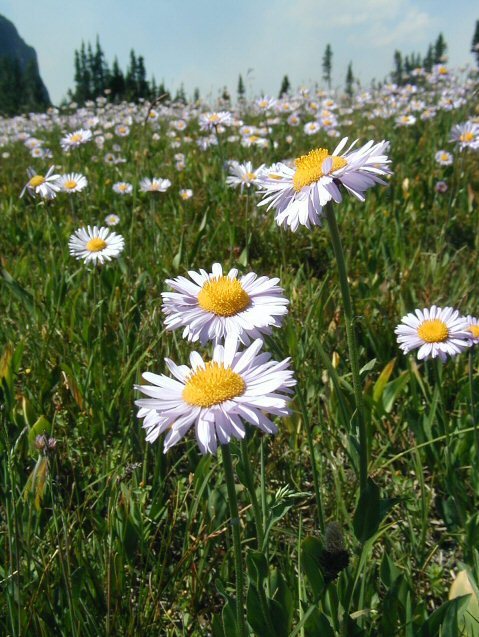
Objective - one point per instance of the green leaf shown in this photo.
(370, 512)
(381, 382)
(41, 426)
(317, 625)
(445, 618)
(311, 551)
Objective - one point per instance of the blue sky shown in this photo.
(208, 43)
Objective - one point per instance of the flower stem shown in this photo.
(235, 527)
(252, 493)
(352, 344)
(472, 401)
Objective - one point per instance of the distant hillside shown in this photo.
(21, 87)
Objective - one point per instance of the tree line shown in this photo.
(94, 77)
(21, 89)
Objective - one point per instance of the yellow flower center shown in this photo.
(433, 331)
(467, 137)
(223, 296)
(76, 138)
(122, 187)
(36, 180)
(213, 385)
(442, 70)
(70, 184)
(474, 329)
(214, 118)
(96, 245)
(444, 157)
(253, 138)
(309, 168)
(249, 176)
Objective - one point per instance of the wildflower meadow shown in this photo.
(239, 377)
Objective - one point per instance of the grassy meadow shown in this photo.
(101, 534)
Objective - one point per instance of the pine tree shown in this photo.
(241, 89)
(327, 65)
(153, 89)
(196, 95)
(180, 95)
(225, 96)
(117, 82)
(131, 88)
(397, 75)
(429, 59)
(285, 86)
(350, 81)
(99, 71)
(440, 49)
(475, 43)
(142, 84)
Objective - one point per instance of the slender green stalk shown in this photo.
(352, 344)
(314, 468)
(472, 400)
(252, 492)
(235, 527)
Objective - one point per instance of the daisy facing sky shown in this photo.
(95, 245)
(298, 194)
(435, 332)
(212, 306)
(217, 396)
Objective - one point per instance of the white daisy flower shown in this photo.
(112, 220)
(299, 193)
(186, 193)
(212, 306)
(311, 128)
(435, 332)
(154, 185)
(78, 137)
(217, 396)
(405, 120)
(122, 130)
(95, 244)
(265, 103)
(467, 135)
(443, 158)
(211, 121)
(73, 182)
(243, 175)
(46, 186)
(473, 328)
(122, 188)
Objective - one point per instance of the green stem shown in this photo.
(314, 468)
(352, 344)
(252, 493)
(235, 527)
(472, 401)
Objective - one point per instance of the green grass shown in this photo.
(108, 536)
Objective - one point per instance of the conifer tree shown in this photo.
(429, 59)
(285, 86)
(397, 75)
(241, 88)
(350, 81)
(440, 48)
(475, 43)
(327, 65)
(117, 81)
